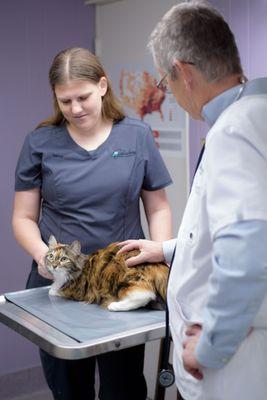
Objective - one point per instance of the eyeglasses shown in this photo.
(163, 85)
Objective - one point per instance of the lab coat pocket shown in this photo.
(187, 314)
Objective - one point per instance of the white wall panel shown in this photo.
(122, 31)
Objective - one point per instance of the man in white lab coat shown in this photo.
(217, 292)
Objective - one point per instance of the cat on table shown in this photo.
(103, 277)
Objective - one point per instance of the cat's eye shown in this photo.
(50, 257)
(63, 259)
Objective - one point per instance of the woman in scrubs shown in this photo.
(80, 175)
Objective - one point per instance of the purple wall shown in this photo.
(32, 32)
(247, 19)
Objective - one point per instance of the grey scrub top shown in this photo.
(92, 196)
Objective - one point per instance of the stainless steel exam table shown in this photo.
(72, 330)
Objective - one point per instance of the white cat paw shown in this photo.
(53, 292)
(115, 306)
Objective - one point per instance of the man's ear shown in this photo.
(184, 70)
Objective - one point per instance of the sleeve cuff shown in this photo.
(168, 248)
(208, 356)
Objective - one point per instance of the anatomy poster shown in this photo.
(141, 98)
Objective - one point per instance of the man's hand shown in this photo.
(149, 251)
(42, 270)
(191, 365)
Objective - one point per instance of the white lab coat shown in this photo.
(230, 186)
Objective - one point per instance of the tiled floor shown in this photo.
(43, 395)
(38, 396)
(25, 382)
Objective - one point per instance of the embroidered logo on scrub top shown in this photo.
(122, 153)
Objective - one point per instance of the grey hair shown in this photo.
(197, 33)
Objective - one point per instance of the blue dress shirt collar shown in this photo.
(213, 109)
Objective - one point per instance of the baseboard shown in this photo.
(22, 382)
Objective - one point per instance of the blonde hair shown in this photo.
(80, 63)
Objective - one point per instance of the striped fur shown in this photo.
(103, 278)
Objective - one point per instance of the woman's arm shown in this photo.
(25, 225)
(158, 214)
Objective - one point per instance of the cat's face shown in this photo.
(56, 259)
(61, 259)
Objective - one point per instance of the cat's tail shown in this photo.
(161, 280)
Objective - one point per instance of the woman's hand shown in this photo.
(149, 251)
(42, 270)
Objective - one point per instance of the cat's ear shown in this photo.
(52, 242)
(76, 247)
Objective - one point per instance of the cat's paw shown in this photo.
(115, 306)
(53, 292)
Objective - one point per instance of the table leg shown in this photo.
(160, 391)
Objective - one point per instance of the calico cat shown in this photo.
(103, 278)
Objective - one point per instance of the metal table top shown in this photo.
(73, 330)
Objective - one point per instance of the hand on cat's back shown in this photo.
(150, 251)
